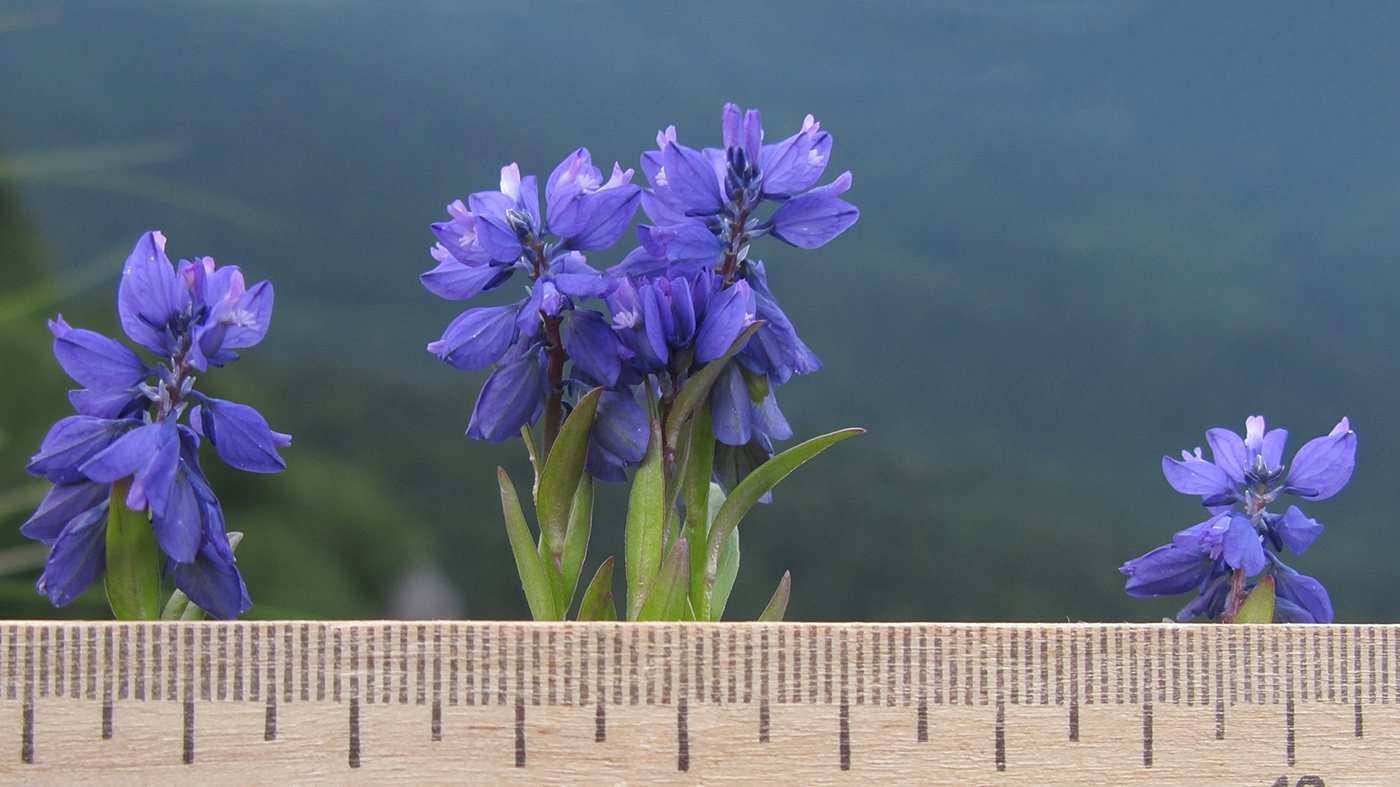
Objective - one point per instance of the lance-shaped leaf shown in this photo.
(646, 522)
(133, 560)
(597, 601)
(1259, 606)
(724, 576)
(697, 389)
(777, 606)
(560, 478)
(527, 561)
(667, 596)
(757, 484)
(695, 491)
(575, 543)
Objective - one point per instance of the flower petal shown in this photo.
(149, 294)
(1166, 571)
(593, 347)
(1324, 465)
(1229, 453)
(95, 361)
(60, 505)
(1297, 530)
(477, 338)
(241, 435)
(1243, 548)
(512, 397)
(811, 219)
(77, 557)
(1304, 591)
(1193, 475)
(72, 442)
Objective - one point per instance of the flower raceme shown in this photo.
(126, 440)
(676, 302)
(1242, 536)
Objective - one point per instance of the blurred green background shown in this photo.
(1090, 231)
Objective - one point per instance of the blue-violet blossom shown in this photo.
(1242, 535)
(127, 429)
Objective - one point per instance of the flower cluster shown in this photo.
(675, 302)
(1241, 538)
(127, 447)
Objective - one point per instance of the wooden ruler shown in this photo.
(430, 703)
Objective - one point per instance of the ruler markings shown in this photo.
(999, 746)
(843, 744)
(206, 665)
(666, 675)
(536, 660)
(44, 662)
(763, 667)
(1073, 688)
(1218, 652)
(568, 666)
(908, 663)
(221, 674)
(748, 666)
(782, 665)
(58, 668)
(106, 682)
(255, 656)
(1088, 674)
(891, 681)
(421, 665)
(1274, 665)
(1147, 734)
(353, 743)
(921, 722)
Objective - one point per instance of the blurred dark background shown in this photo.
(1090, 231)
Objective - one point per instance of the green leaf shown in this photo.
(529, 439)
(1259, 606)
(575, 544)
(697, 389)
(724, 575)
(527, 560)
(777, 606)
(133, 560)
(597, 601)
(646, 522)
(755, 485)
(667, 596)
(696, 492)
(560, 478)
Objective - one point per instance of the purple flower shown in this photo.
(528, 343)
(704, 202)
(191, 316)
(1243, 478)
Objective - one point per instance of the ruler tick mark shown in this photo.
(26, 749)
(1147, 734)
(1000, 744)
(682, 735)
(354, 724)
(270, 718)
(188, 754)
(519, 730)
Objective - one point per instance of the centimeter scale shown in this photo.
(429, 703)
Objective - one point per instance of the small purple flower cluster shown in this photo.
(677, 301)
(126, 439)
(1216, 557)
